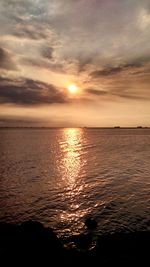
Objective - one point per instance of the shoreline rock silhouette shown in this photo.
(31, 242)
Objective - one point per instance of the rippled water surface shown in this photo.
(62, 176)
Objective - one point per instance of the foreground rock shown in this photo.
(31, 243)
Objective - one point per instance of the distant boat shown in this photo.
(139, 127)
(116, 127)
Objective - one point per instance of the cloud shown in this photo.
(124, 72)
(109, 71)
(6, 60)
(29, 92)
(106, 72)
(44, 64)
(14, 120)
(47, 52)
(85, 39)
(95, 92)
(92, 34)
(131, 96)
(117, 91)
(29, 31)
(24, 7)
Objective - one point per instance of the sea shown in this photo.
(63, 176)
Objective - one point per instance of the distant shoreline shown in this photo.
(103, 128)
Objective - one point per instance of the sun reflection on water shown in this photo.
(71, 164)
(72, 167)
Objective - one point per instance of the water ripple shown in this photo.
(62, 176)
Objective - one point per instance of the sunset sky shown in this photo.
(102, 47)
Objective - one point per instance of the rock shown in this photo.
(32, 243)
(82, 241)
(91, 223)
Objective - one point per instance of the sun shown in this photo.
(72, 88)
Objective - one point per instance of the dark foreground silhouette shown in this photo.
(32, 244)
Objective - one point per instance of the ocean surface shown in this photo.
(61, 177)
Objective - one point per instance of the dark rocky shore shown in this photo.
(32, 244)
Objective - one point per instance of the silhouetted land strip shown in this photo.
(32, 243)
(88, 127)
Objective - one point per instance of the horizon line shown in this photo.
(85, 127)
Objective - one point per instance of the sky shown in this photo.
(101, 46)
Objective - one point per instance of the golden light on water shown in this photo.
(72, 159)
(71, 172)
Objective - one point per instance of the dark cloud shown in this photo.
(106, 72)
(109, 71)
(119, 92)
(29, 92)
(47, 52)
(126, 91)
(6, 61)
(82, 65)
(95, 92)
